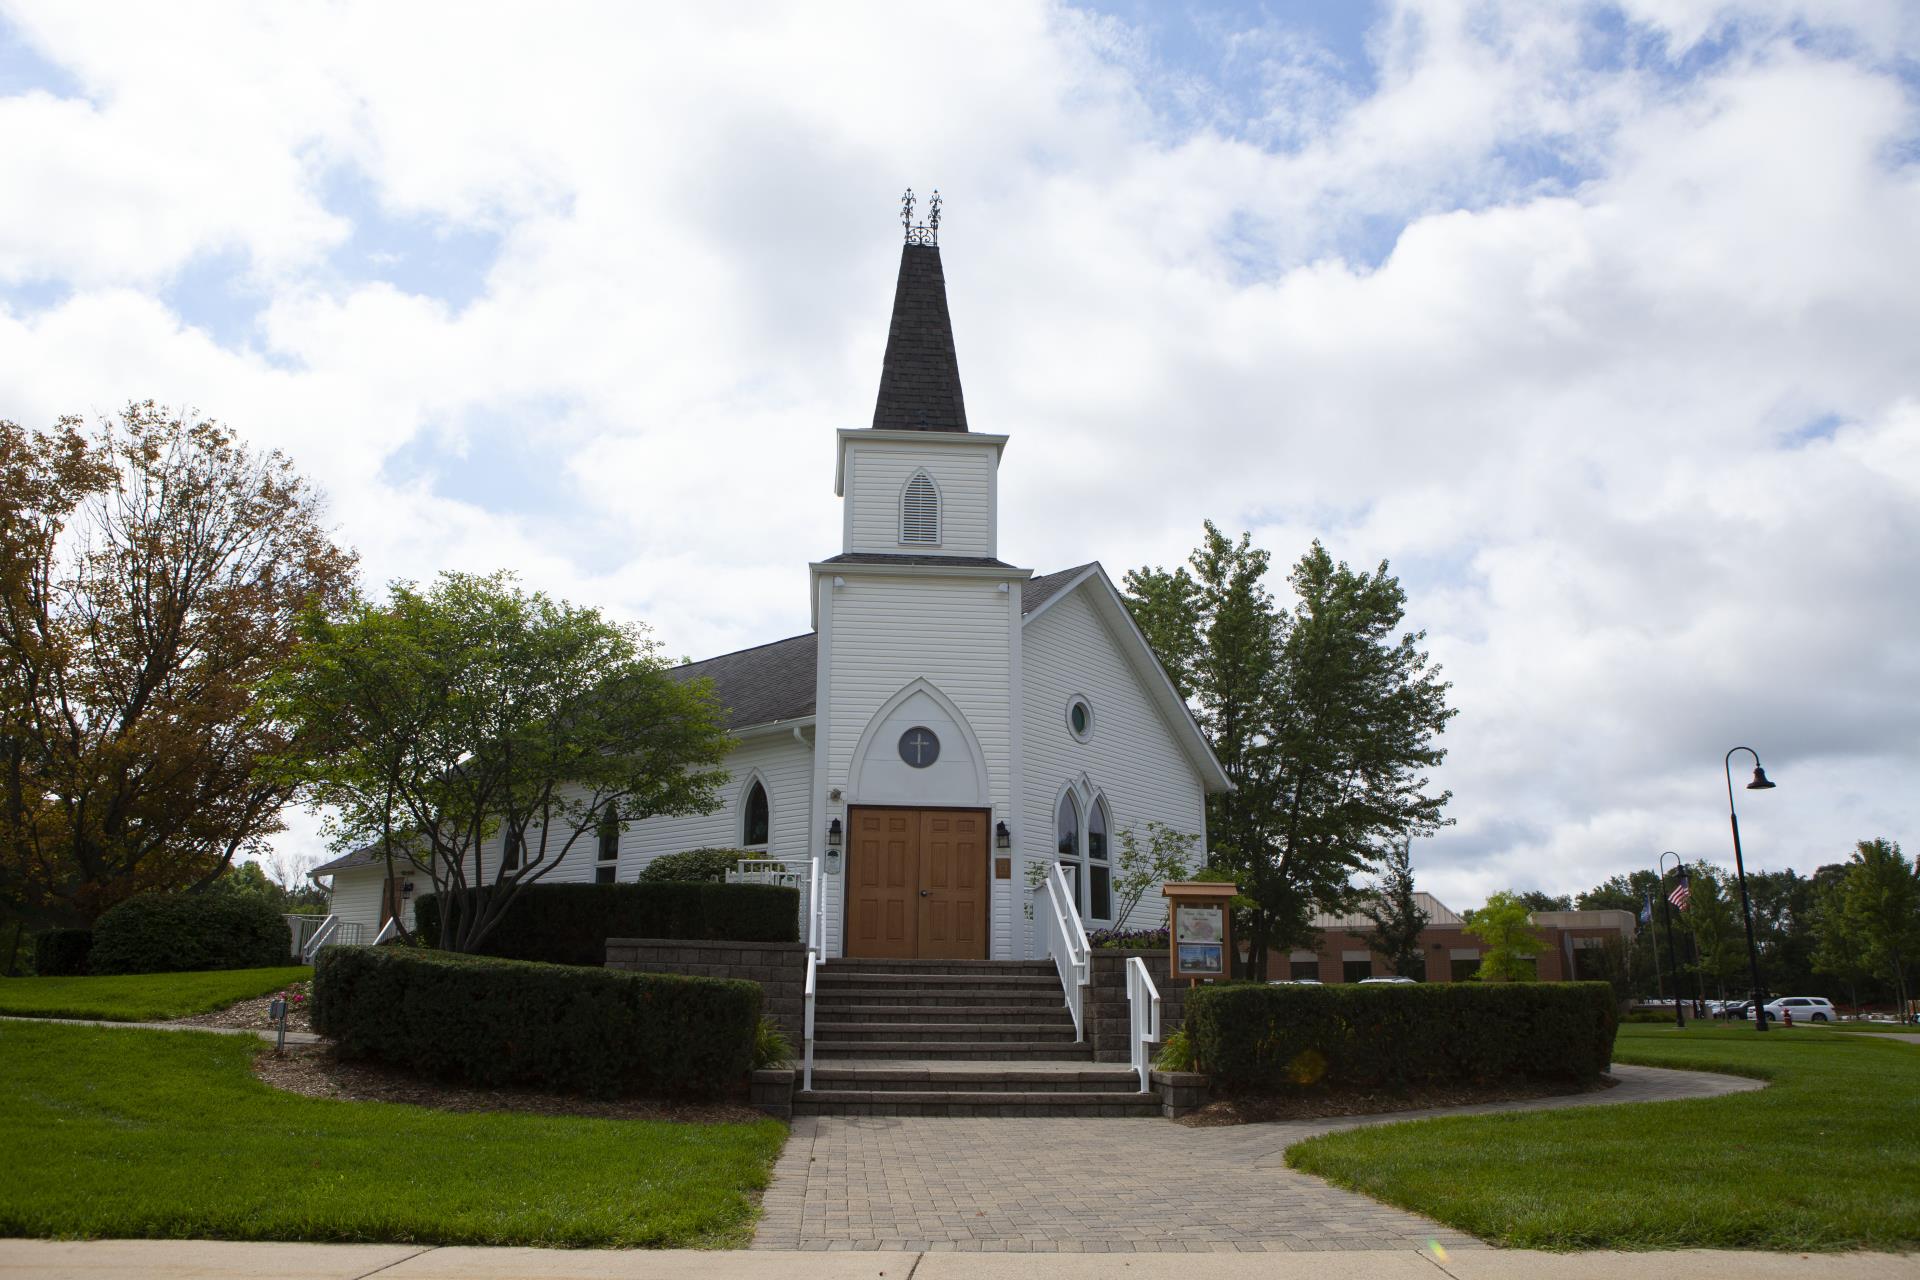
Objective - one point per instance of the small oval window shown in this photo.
(1080, 718)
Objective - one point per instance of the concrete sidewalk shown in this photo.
(225, 1260)
(293, 1037)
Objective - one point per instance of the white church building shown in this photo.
(952, 720)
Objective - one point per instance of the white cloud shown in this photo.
(1572, 403)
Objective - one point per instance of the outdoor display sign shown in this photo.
(1201, 943)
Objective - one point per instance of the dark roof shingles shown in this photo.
(763, 684)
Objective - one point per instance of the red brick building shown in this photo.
(1451, 953)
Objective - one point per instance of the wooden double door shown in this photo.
(917, 884)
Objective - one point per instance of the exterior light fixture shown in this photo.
(406, 888)
(1002, 838)
(833, 834)
(1759, 782)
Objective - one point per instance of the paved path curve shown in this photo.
(1108, 1186)
(293, 1037)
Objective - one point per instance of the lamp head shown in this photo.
(1759, 782)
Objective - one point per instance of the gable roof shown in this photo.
(1041, 594)
(762, 685)
(1439, 915)
(920, 374)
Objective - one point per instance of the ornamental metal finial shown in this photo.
(928, 232)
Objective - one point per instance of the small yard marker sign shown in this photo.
(1200, 945)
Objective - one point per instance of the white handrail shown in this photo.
(387, 930)
(319, 938)
(299, 929)
(1067, 944)
(1143, 1019)
(816, 943)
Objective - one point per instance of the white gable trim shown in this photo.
(983, 794)
(1112, 610)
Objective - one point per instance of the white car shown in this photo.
(1803, 1009)
(1365, 981)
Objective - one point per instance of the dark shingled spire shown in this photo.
(920, 377)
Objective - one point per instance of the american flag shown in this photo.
(1681, 895)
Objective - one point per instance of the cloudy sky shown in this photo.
(1601, 323)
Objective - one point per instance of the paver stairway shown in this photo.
(956, 1037)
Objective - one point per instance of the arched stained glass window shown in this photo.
(1067, 825)
(756, 818)
(1099, 865)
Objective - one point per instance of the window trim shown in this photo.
(1080, 700)
(755, 779)
(607, 819)
(939, 504)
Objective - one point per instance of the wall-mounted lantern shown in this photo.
(406, 888)
(833, 834)
(1002, 838)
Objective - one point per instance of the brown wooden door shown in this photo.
(917, 884)
(883, 883)
(953, 885)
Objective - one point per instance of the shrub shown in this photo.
(180, 933)
(693, 864)
(1176, 1053)
(771, 1048)
(1251, 1036)
(497, 1022)
(1129, 939)
(570, 923)
(62, 953)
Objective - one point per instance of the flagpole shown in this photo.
(1673, 957)
(1646, 918)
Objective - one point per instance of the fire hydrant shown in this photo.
(1786, 1017)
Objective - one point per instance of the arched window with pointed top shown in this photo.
(920, 512)
(755, 816)
(1099, 864)
(1067, 843)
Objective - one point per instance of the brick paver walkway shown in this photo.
(1105, 1186)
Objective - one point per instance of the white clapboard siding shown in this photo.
(877, 475)
(1132, 757)
(782, 763)
(886, 631)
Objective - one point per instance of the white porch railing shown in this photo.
(1143, 1019)
(388, 930)
(816, 944)
(299, 930)
(333, 929)
(765, 871)
(1066, 942)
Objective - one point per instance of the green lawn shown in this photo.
(126, 1133)
(1826, 1157)
(140, 997)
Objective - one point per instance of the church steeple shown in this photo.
(920, 375)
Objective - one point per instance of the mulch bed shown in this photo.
(316, 1072)
(252, 1014)
(1325, 1104)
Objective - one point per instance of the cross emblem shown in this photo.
(919, 748)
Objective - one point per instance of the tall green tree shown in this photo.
(153, 573)
(1513, 944)
(1881, 899)
(1838, 950)
(1719, 937)
(1397, 916)
(1540, 900)
(1324, 718)
(452, 720)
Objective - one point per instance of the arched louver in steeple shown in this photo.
(920, 512)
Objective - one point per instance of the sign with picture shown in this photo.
(1201, 929)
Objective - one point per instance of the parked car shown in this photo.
(1803, 1008)
(1365, 981)
(1293, 982)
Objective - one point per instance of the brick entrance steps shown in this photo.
(955, 1037)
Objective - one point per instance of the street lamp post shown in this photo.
(1759, 783)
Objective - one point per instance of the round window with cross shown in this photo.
(919, 747)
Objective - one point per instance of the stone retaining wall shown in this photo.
(1107, 1017)
(779, 967)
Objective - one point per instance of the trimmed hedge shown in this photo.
(187, 932)
(570, 923)
(62, 953)
(496, 1022)
(693, 864)
(1261, 1038)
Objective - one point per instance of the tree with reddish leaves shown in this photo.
(153, 573)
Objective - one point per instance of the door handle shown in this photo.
(926, 893)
